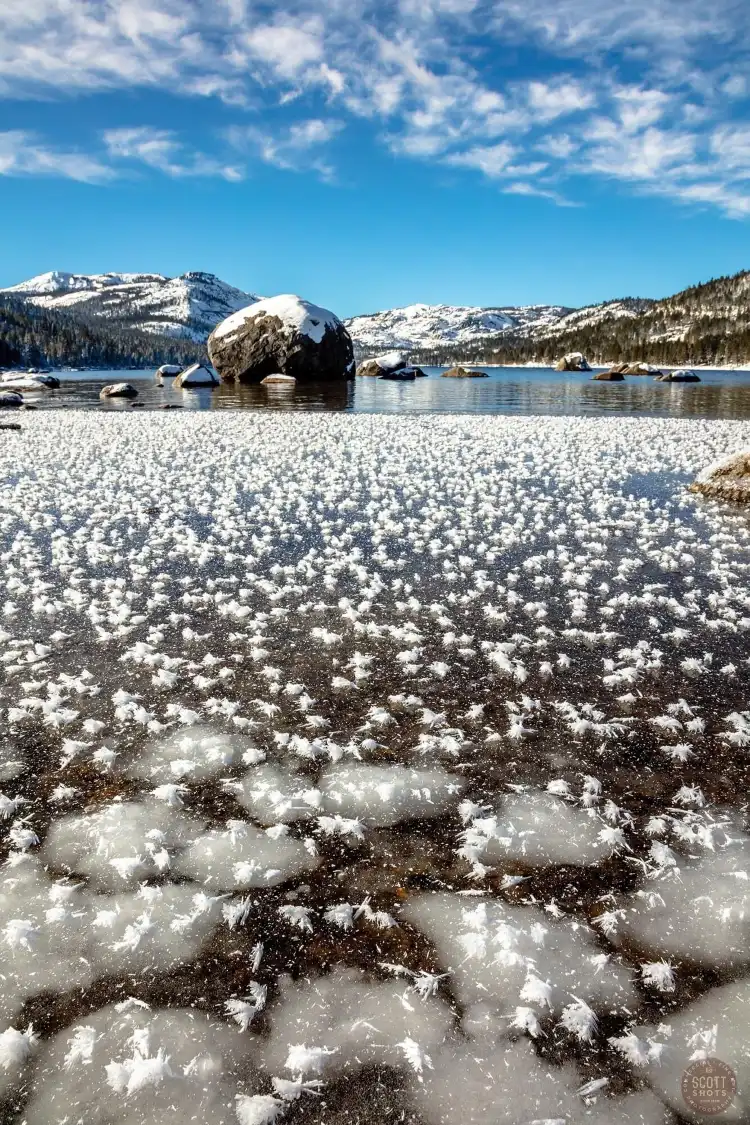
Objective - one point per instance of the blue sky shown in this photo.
(371, 154)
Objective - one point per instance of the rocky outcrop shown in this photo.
(681, 376)
(118, 390)
(728, 479)
(282, 335)
(612, 376)
(464, 373)
(197, 376)
(573, 361)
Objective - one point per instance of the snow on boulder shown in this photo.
(118, 390)
(573, 361)
(391, 361)
(197, 376)
(169, 369)
(281, 335)
(728, 479)
(10, 400)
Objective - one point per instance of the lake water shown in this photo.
(507, 390)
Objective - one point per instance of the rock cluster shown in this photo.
(392, 365)
(635, 369)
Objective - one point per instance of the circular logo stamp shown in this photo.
(709, 1086)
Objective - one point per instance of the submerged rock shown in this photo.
(279, 379)
(680, 376)
(464, 373)
(573, 361)
(281, 335)
(612, 376)
(118, 390)
(728, 479)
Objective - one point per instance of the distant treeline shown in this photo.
(33, 337)
(603, 343)
(706, 324)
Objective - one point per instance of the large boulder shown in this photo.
(464, 373)
(281, 335)
(573, 361)
(118, 390)
(168, 370)
(728, 479)
(197, 376)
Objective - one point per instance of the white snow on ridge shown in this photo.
(185, 307)
(58, 282)
(431, 325)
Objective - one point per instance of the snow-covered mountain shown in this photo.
(186, 307)
(429, 326)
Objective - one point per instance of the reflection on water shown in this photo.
(508, 390)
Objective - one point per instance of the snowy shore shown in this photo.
(383, 766)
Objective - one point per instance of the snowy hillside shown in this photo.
(429, 326)
(186, 307)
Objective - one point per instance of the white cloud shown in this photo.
(294, 148)
(551, 100)
(731, 144)
(161, 150)
(23, 154)
(437, 78)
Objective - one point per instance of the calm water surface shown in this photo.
(508, 390)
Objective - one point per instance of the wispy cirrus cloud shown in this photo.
(294, 148)
(23, 153)
(427, 77)
(162, 150)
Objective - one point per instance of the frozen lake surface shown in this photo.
(360, 768)
(506, 390)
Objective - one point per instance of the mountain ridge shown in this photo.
(184, 307)
(705, 323)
